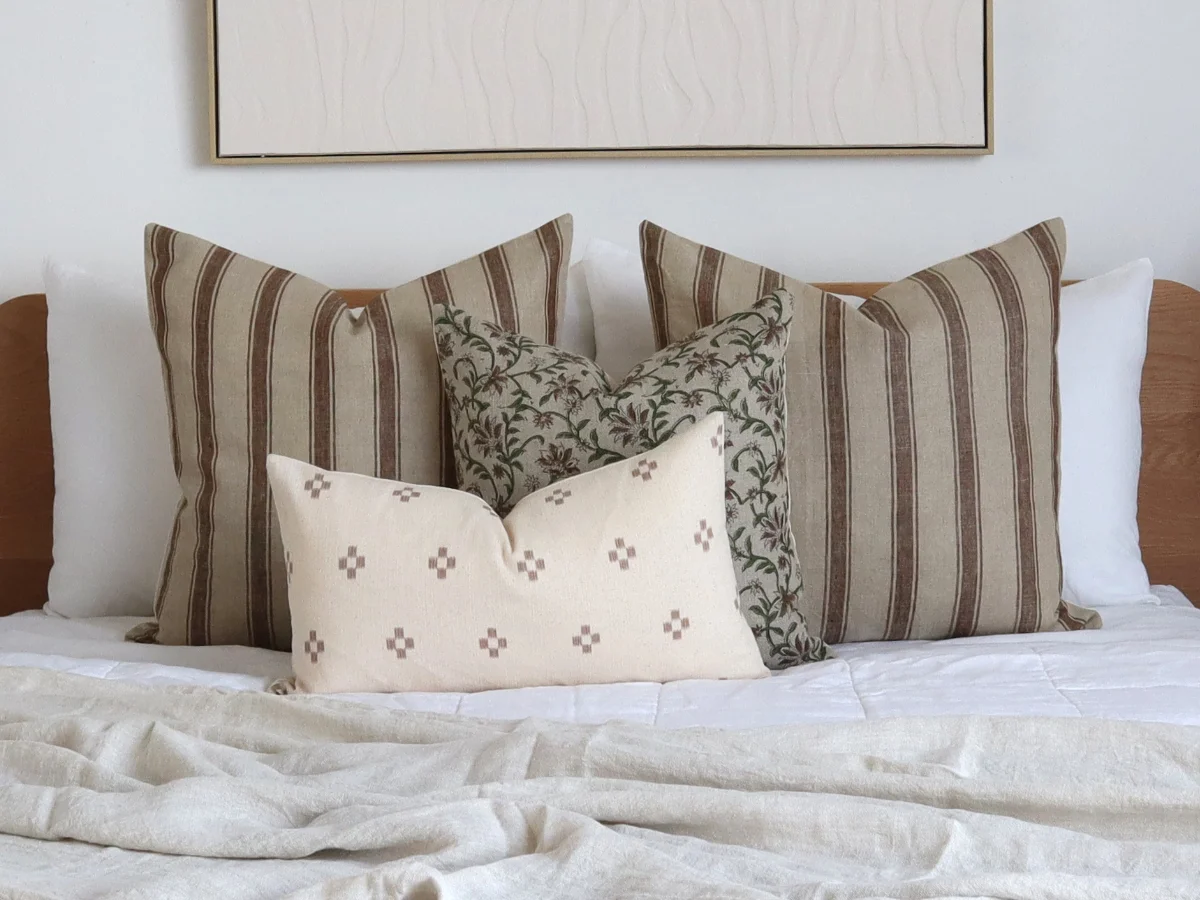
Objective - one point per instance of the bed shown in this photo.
(1141, 667)
(976, 767)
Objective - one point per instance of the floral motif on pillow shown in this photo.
(525, 415)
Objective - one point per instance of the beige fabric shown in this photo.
(258, 359)
(525, 415)
(246, 796)
(620, 574)
(923, 435)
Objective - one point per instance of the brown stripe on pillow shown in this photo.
(387, 397)
(437, 292)
(962, 404)
(500, 284)
(323, 392)
(902, 441)
(164, 578)
(258, 493)
(161, 249)
(259, 360)
(923, 431)
(837, 472)
(653, 245)
(551, 238)
(769, 282)
(204, 298)
(1004, 283)
(437, 289)
(708, 274)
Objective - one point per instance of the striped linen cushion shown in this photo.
(259, 360)
(923, 435)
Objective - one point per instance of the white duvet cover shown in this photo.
(1144, 665)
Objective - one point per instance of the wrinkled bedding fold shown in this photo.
(266, 795)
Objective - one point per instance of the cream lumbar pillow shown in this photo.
(620, 574)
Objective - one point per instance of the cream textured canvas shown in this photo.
(621, 574)
(296, 78)
(257, 359)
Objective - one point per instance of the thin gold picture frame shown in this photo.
(988, 148)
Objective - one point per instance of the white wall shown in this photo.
(103, 118)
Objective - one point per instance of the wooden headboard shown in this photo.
(1170, 488)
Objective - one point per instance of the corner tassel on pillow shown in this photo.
(146, 633)
(282, 686)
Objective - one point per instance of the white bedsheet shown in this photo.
(1144, 666)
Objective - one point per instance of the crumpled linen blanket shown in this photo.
(129, 790)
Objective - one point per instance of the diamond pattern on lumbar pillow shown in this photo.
(608, 587)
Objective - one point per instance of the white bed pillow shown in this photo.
(1101, 350)
(114, 485)
(617, 289)
(115, 488)
(1102, 346)
(577, 333)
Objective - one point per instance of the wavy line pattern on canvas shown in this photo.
(397, 76)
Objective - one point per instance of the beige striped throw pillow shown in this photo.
(923, 435)
(259, 360)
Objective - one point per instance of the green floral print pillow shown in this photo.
(526, 415)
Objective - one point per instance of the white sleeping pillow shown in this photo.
(1101, 349)
(617, 290)
(577, 334)
(1102, 346)
(114, 485)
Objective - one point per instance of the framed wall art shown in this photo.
(336, 80)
